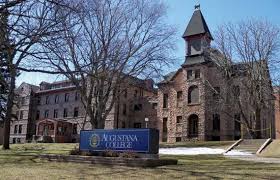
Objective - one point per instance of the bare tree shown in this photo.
(255, 44)
(24, 26)
(105, 44)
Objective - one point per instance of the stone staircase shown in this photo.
(250, 145)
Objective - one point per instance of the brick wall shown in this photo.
(209, 106)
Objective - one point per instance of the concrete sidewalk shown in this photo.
(256, 158)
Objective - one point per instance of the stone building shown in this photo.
(54, 111)
(22, 127)
(277, 111)
(189, 104)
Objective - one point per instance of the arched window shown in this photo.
(193, 126)
(193, 95)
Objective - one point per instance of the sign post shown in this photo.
(120, 140)
(146, 121)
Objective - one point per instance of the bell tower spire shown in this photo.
(197, 34)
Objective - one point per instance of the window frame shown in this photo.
(197, 72)
(76, 112)
(165, 100)
(56, 99)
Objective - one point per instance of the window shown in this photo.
(75, 129)
(137, 107)
(22, 100)
(47, 99)
(236, 91)
(55, 113)
(179, 95)
(61, 130)
(137, 125)
(65, 112)
(124, 109)
(46, 113)
(125, 93)
(178, 139)
(194, 46)
(141, 92)
(164, 129)
(77, 95)
(66, 98)
(193, 95)
(20, 129)
(21, 115)
(165, 100)
(56, 99)
(37, 115)
(193, 126)
(216, 122)
(39, 100)
(164, 126)
(189, 74)
(154, 105)
(216, 138)
(76, 111)
(179, 119)
(179, 98)
(16, 129)
(17, 114)
(197, 73)
(135, 93)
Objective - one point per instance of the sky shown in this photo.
(179, 12)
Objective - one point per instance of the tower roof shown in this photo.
(197, 25)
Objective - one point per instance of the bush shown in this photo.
(86, 153)
(129, 154)
(110, 153)
(75, 151)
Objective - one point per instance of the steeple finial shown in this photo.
(197, 7)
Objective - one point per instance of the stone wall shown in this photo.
(211, 104)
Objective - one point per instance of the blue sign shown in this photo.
(138, 140)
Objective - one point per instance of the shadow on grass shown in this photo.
(189, 167)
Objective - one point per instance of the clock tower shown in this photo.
(197, 35)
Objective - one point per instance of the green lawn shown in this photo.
(20, 163)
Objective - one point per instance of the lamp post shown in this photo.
(146, 121)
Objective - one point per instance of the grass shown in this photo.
(273, 150)
(20, 163)
(212, 144)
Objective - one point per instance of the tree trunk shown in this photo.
(258, 124)
(252, 133)
(11, 95)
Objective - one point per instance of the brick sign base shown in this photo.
(132, 162)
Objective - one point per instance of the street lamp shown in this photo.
(146, 120)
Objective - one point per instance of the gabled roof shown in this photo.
(170, 76)
(197, 25)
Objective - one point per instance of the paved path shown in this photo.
(256, 158)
